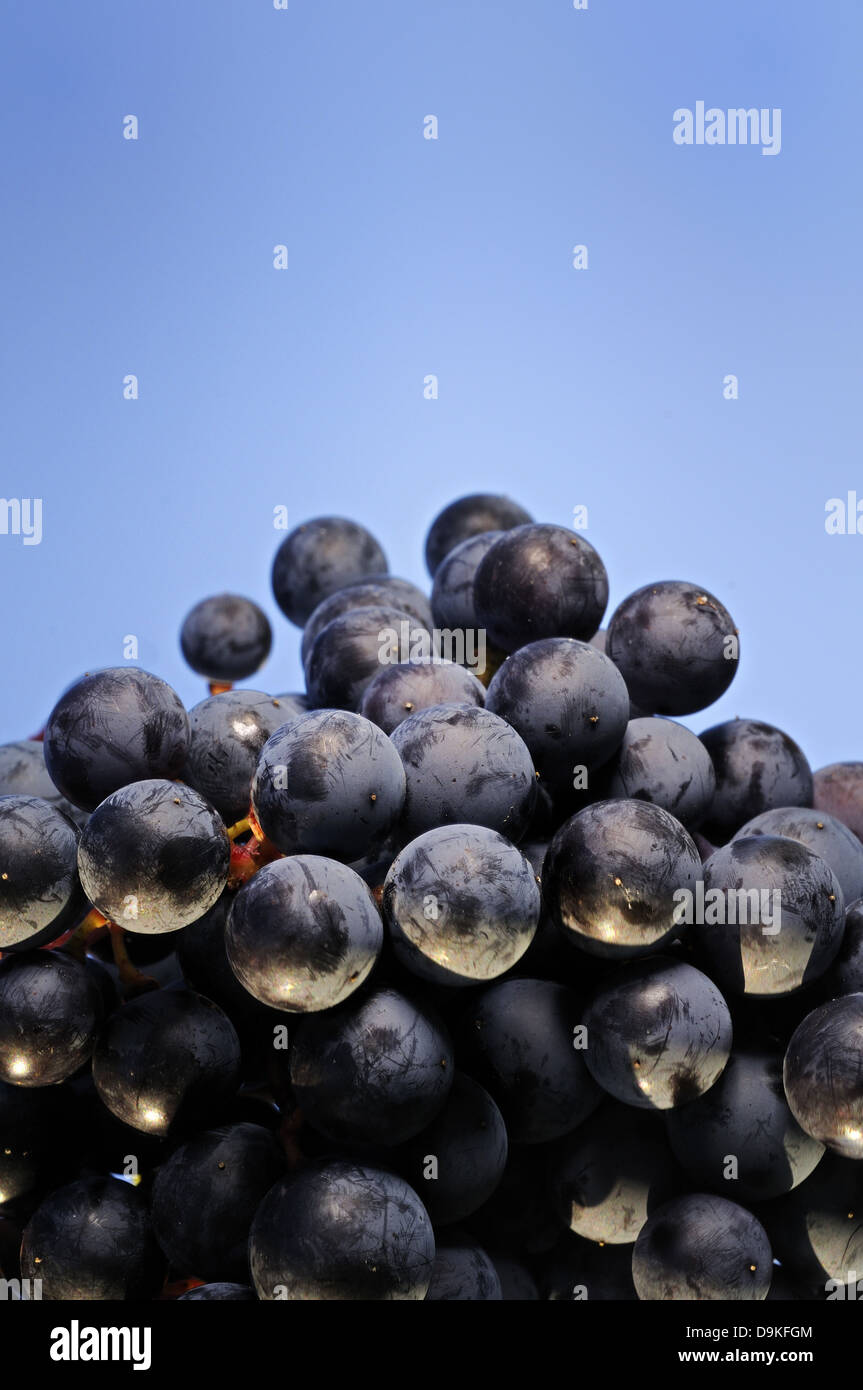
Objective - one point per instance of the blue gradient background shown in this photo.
(407, 257)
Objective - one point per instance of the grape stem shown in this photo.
(79, 940)
(132, 980)
(220, 687)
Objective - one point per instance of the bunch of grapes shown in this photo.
(468, 972)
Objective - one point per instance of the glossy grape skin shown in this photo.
(111, 728)
(753, 958)
(452, 602)
(659, 1033)
(228, 732)
(382, 591)
(331, 784)
(462, 1272)
(303, 934)
(50, 1013)
(838, 790)
(226, 637)
(203, 959)
(38, 870)
(467, 517)
(461, 904)
(817, 1230)
(611, 1173)
(220, 1293)
(23, 773)
(92, 1240)
(341, 1231)
(745, 1114)
(518, 1041)
(568, 701)
(166, 1060)
(464, 765)
(845, 975)
(206, 1195)
(154, 856)
(540, 581)
(664, 763)
(468, 1140)
(375, 1071)
(823, 1075)
(350, 651)
(611, 873)
(701, 1247)
(322, 555)
(823, 834)
(407, 687)
(757, 768)
(670, 641)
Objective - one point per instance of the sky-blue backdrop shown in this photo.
(408, 256)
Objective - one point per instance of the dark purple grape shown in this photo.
(757, 768)
(823, 834)
(38, 871)
(658, 1034)
(206, 1195)
(50, 1012)
(462, 1272)
(220, 1293)
(744, 1118)
(350, 651)
(341, 1231)
(375, 1071)
(823, 1075)
(611, 876)
(383, 591)
(676, 647)
(458, 1161)
(452, 602)
(331, 784)
(540, 581)
(399, 691)
(845, 975)
(228, 732)
(466, 765)
(702, 1247)
(92, 1241)
(462, 905)
(772, 917)
(611, 1173)
(303, 934)
(166, 1060)
(838, 790)
(467, 517)
(111, 728)
(568, 701)
(319, 557)
(154, 856)
(664, 763)
(817, 1230)
(226, 637)
(520, 1041)
(23, 773)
